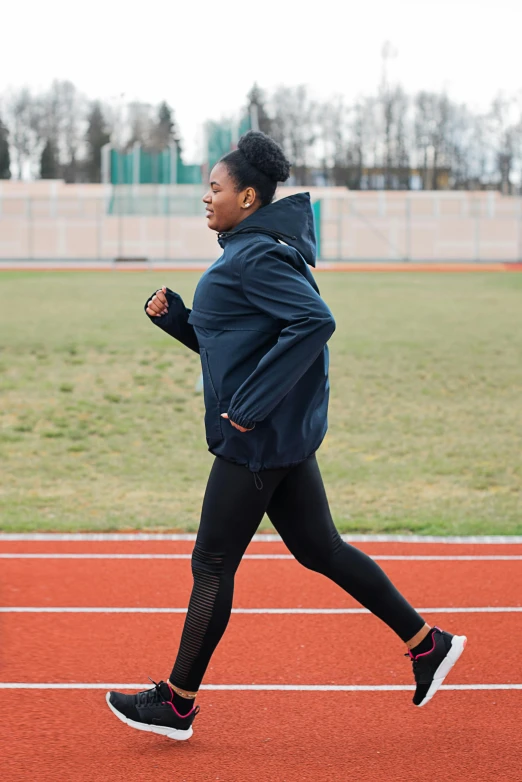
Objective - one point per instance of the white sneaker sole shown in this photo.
(458, 644)
(170, 733)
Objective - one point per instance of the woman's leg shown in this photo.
(233, 508)
(299, 511)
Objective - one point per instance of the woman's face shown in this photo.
(226, 208)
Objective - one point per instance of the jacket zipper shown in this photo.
(253, 229)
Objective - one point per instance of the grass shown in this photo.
(100, 428)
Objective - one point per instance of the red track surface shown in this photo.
(259, 584)
(258, 547)
(256, 737)
(256, 649)
(241, 736)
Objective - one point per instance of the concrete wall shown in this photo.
(51, 220)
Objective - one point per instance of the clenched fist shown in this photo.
(158, 305)
(236, 426)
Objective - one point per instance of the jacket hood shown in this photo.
(290, 219)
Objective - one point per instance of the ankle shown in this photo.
(183, 703)
(425, 646)
(417, 639)
(186, 694)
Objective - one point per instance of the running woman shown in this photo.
(261, 328)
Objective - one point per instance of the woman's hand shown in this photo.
(236, 426)
(158, 305)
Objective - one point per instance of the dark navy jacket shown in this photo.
(261, 328)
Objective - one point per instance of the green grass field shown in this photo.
(100, 428)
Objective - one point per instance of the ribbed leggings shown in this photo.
(295, 501)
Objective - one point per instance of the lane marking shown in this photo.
(261, 538)
(255, 687)
(310, 611)
(376, 557)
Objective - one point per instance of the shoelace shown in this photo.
(418, 665)
(152, 696)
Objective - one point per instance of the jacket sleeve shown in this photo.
(175, 322)
(273, 285)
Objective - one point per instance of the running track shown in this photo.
(304, 686)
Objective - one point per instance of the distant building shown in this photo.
(378, 178)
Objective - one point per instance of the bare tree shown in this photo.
(518, 143)
(56, 121)
(432, 132)
(467, 149)
(5, 158)
(96, 137)
(504, 130)
(373, 142)
(333, 132)
(164, 131)
(72, 128)
(365, 141)
(49, 165)
(402, 141)
(20, 116)
(140, 123)
(395, 158)
(257, 110)
(294, 127)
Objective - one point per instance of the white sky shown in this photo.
(202, 57)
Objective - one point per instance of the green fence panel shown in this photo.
(219, 141)
(316, 208)
(189, 175)
(155, 168)
(245, 125)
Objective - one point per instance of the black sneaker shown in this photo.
(153, 710)
(431, 668)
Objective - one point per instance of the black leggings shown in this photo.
(295, 501)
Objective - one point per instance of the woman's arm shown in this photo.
(175, 321)
(276, 287)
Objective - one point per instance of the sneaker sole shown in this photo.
(170, 733)
(458, 644)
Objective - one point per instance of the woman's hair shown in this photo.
(258, 162)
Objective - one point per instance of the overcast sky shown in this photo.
(202, 57)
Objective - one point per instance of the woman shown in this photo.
(261, 328)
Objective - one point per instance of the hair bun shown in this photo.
(265, 154)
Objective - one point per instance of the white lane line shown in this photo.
(376, 557)
(310, 611)
(261, 538)
(255, 687)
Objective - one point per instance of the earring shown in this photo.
(246, 206)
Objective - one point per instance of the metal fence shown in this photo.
(355, 226)
(161, 226)
(422, 227)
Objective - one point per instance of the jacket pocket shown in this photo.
(214, 432)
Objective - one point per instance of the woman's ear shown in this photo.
(249, 198)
